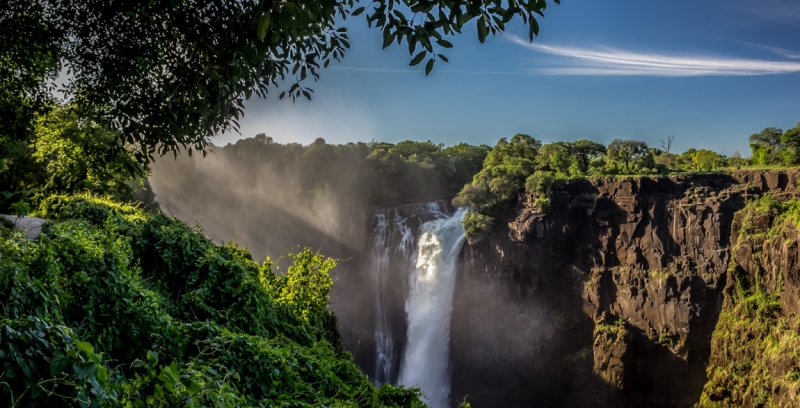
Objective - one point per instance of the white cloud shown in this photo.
(777, 50)
(611, 61)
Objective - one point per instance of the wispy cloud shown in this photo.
(611, 61)
(777, 50)
(418, 70)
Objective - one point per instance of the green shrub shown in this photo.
(116, 307)
(540, 182)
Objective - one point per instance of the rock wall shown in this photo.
(610, 297)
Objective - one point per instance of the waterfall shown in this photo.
(394, 243)
(428, 308)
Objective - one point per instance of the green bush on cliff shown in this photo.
(115, 307)
(755, 357)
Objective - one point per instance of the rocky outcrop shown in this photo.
(755, 350)
(610, 297)
(30, 226)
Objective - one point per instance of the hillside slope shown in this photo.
(112, 306)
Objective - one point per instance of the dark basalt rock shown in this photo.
(610, 298)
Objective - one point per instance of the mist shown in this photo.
(275, 198)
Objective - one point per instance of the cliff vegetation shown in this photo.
(755, 358)
(525, 164)
(112, 306)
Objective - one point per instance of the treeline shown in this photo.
(68, 154)
(773, 146)
(524, 163)
(270, 196)
(380, 172)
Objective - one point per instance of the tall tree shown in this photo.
(791, 142)
(766, 145)
(626, 151)
(586, 151)
(169, 74)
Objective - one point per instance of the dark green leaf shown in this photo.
(263, 26)
(482, 30)
(416, 60)
(444, 43)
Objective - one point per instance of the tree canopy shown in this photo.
(169, 74)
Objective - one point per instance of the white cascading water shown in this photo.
(380, 263)
(393, 240)
(429, 307)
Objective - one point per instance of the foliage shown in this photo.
(752, 346)
(706, 160)
(754, 359)
(773, 146)
(540, 182)
(169, 74)
(790, 142)
(370, 173)
(626, 151)
(68, 154)
(116, 307)
(524, 163)
(28, 61)
(504, 172)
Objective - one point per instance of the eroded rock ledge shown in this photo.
(610, 298)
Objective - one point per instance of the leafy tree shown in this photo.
(168, 74)
(67, 155)
(766, 145)
(586, 151)
(668, 160)
(468, 159)
(685, 158)
(770, 136)
(557, 157)
(791, 143)
(540, 182)
(626, 151)
(503, 176)
(705, 160)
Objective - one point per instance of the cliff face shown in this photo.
(611, 297)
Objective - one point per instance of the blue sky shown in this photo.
(708, 72)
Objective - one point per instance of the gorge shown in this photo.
(610, 298)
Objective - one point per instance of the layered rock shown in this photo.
(611, 296)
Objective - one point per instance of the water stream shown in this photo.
(417, 249)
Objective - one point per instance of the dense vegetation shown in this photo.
(378, 172)
(67, 154)
(112, 306)
(525, 164)
(756, 346)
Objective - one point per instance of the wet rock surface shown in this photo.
(610, 298)
(30, 226)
